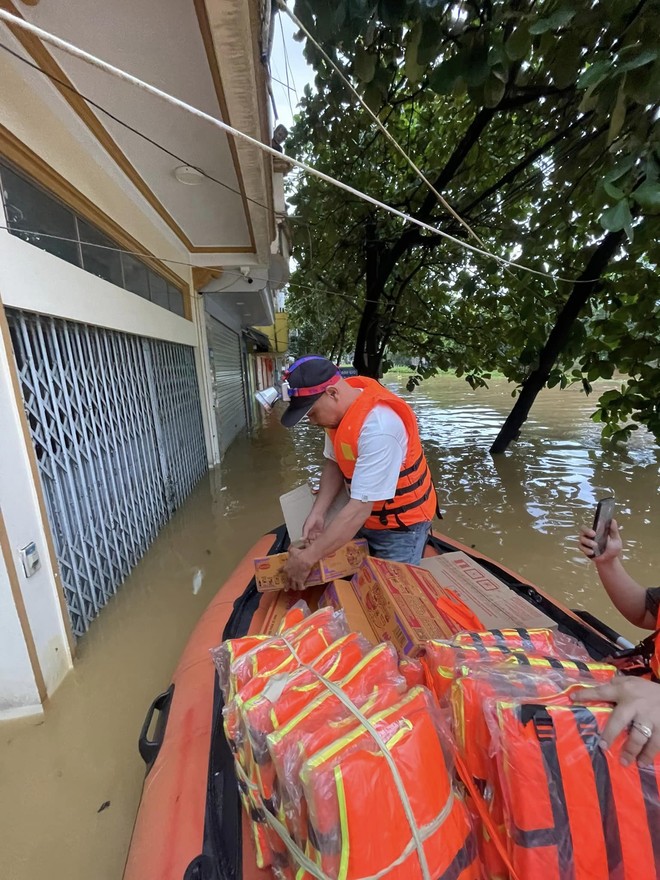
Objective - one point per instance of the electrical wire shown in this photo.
(126, 125)
(123, 75)
(420, 174)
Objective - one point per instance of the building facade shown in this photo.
(138, 246)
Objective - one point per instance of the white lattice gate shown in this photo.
(117, 429)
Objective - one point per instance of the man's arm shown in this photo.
(332, 482)
(342, 529)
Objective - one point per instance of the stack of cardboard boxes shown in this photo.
(391, 601)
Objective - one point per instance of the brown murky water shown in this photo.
(523, 509)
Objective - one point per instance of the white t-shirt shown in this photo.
(382, 448)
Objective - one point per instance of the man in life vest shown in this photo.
(373, 446)
(637, 699)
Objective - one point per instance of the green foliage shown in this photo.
(537, 122)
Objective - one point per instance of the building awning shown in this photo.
(257, 338)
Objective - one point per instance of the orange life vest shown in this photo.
(655, 660)
(415, 499)
(358, 826)
(573, 810)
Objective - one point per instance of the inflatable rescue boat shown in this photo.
(189, 824)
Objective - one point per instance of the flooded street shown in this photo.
(71, 782)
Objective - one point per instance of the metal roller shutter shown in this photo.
(228, 381)
(117, 429)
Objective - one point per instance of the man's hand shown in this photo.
(314, 525)
(297, 567)
(637, 709)
(613, 546)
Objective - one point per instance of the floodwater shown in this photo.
(70, 784)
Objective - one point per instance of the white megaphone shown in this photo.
(269, 396)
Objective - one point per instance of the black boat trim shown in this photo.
(221, 856)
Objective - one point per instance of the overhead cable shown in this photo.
(123, 75)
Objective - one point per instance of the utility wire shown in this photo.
(123, 75)
(127, 125)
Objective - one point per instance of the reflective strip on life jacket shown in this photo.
(350, 789)
(573, 811)
(414, 500)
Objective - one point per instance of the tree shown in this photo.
(536, 121)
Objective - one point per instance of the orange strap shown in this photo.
(453, 606)
(482, 809)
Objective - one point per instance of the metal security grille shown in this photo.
(117, 429)
(228, 383)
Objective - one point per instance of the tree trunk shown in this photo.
(367, 360)
(586, 285)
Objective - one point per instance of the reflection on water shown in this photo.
(522, 509)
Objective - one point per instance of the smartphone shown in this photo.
(602, 520)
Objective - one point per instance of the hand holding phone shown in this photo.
(602, 522)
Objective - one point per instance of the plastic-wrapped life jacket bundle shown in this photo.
(231, 649)
(351, 791)
(375, 676)
(572, 811)
(549, 642)
(473, 695)
(443, 660)
(475, 688)
(286, 695)
(308, 638)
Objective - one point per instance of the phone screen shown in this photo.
(602, 520)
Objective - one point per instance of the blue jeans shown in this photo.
(399, 546)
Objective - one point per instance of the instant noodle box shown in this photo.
(394, 598)
(340, 595)
(497, 606)
(269, 570)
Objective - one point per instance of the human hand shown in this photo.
(297, 568)
(637, 709)
(313, 526)
(613, 546)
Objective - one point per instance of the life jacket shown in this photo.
(655, 660)
(358, 823)
(289, 741)
(253, 715)
(308, 637)
(443, 662)
(415, 500)
(573, 810)
(539, 641)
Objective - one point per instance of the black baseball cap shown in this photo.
(308, 378)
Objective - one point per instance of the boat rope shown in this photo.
(398, 781)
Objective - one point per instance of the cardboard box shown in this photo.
(394, 598)
(497, 606)
(340, 594)
(269, 570)
(297, 505)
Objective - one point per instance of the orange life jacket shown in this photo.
(415, 499)
(358, 826)
(444, 662)
(655, 660)
(476, 689)
(573, 810)
(289, 741)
